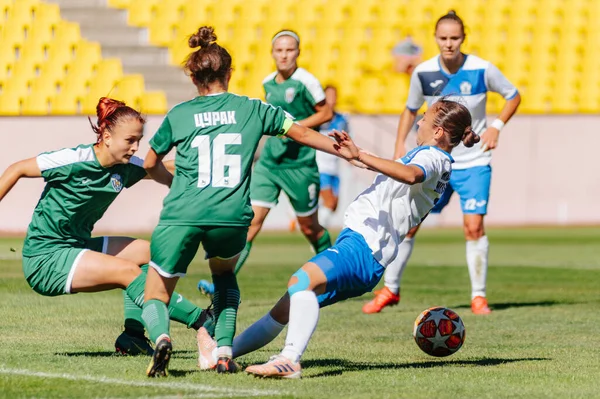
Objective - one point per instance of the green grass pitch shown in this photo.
(541, 340)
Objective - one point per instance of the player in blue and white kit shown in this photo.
(400, 197)
(329, 165)
(453, 73)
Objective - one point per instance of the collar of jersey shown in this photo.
(449, 75)
(426, 147)
(214, 94)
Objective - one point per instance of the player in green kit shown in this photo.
(215, 136)
(284, 164)
(59, 254)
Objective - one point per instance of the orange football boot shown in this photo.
(479, 305)
(384, 297)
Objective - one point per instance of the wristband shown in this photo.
(497, 124)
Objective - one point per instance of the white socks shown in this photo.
(477, 260)
(257, 335)
(325, 215)
(393, 273)
(304, 316)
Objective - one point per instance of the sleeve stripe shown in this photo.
(64, 157)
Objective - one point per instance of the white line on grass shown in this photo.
(202, 391)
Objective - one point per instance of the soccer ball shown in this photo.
(439, 331)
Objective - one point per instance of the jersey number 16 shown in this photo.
(218, 161)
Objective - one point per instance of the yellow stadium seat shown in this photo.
(165, 18)
(65, 103)
(130, 89)
(153, 103)
(10, 104)
(36, 104)
(140, 12)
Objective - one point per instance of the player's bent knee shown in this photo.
(298, 282)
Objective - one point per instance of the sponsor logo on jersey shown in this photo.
(290, 93)
(117, 182)
(86, 181)
(465, 88)
(436, 83)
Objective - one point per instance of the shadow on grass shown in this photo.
(508, 305)
(341, 365)
(181, 354)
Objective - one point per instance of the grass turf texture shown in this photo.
(540, 341)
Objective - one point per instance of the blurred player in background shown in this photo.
(469, 78)
(59, 255)
(284, 164)
(329, 165)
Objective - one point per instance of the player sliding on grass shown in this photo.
(59, 255)
(376, 222)
(448, 73)
(216, 135)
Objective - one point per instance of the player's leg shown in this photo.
(132, 341)
(301, 185)
(473, 186)
(346, 270)
(330, 185)
(389, 295)
(172, 249)
(223, 246)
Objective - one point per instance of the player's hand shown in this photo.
(344, 145)
(489, 139)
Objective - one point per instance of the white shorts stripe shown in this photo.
(105, 244)
(164, 273)
(72, 271)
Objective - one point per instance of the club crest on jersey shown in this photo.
(117, 182)
(290, 93)
(465, 88)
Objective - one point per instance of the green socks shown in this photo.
(133, 317)
(226, 301)
(243, 256)
(180, 309)
(156, 319)
(322, 242)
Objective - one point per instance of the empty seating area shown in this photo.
(548, 48)
(46, 67)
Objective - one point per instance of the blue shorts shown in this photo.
(350, 268)
(473, 188)
(330, 182)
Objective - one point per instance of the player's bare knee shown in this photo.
(473, 231)
(311, 230)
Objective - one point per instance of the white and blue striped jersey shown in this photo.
(469, 86)
(385, 212)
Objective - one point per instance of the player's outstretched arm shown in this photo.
(25, 168)
(408, 174)
(311, 138)
(324, 114)
(156, 169)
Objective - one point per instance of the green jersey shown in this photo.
(216, 137)
(298, 96)
(78, 191)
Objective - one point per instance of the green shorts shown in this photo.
(51, 274)
(301, 185)
(172, 248)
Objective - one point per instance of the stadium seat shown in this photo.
(153, 102)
